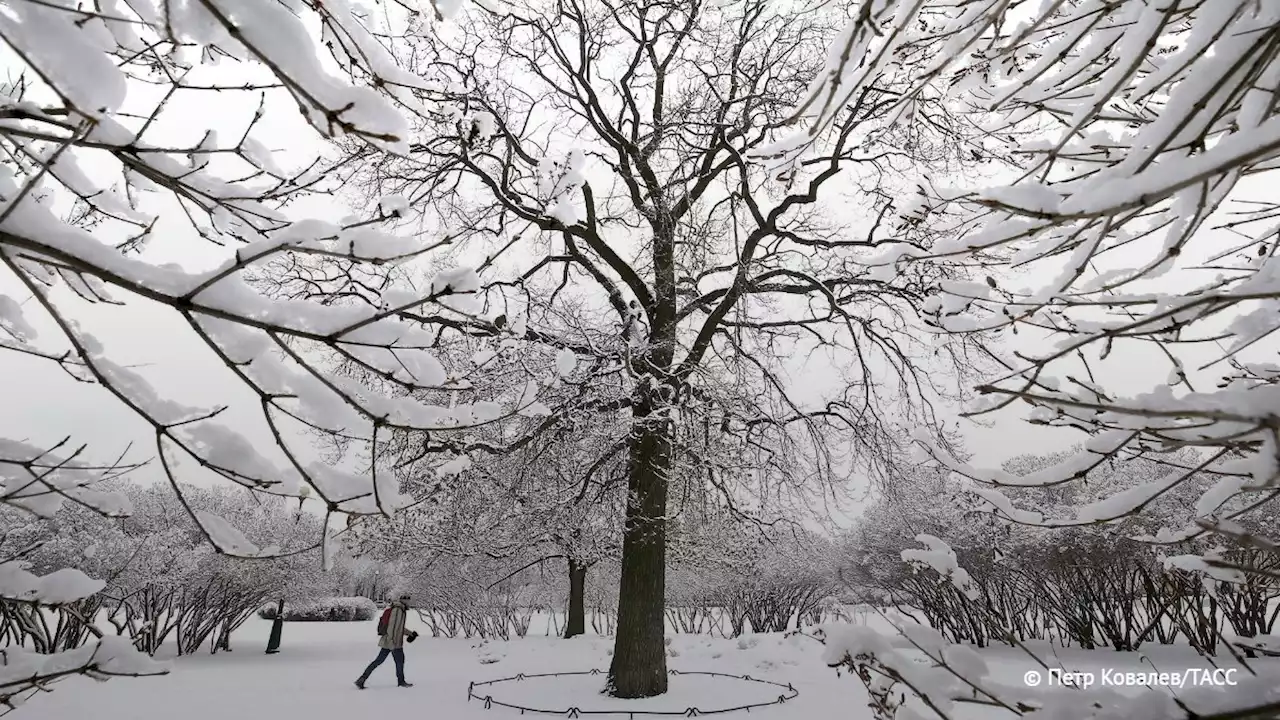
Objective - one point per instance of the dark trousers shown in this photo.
(397, 654)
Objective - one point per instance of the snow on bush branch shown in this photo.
(902, 687)
(24, 672)
(941, 558)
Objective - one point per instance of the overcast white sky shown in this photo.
(41, 404)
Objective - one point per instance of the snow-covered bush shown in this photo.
(1090, 586)
(932, 678)
(335, 609)
(163, 582)
(201, 595)
(730, 576)
(475, 597)
(364, 576)
(47, 610)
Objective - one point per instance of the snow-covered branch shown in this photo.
(1136, 225)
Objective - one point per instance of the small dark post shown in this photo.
(277, 628)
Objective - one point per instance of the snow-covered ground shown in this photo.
(312, 678)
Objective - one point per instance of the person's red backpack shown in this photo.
(384, 621)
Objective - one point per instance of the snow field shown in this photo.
(311, 678)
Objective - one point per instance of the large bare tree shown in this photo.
(597, 152)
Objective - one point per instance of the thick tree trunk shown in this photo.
(639, 667)
(576, 623)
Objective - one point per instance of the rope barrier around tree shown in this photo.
(576, 712)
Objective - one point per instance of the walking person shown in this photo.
(392, 635)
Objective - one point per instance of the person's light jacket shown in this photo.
(393, 638)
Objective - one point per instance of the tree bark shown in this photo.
(639, 667)
(576, 622)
